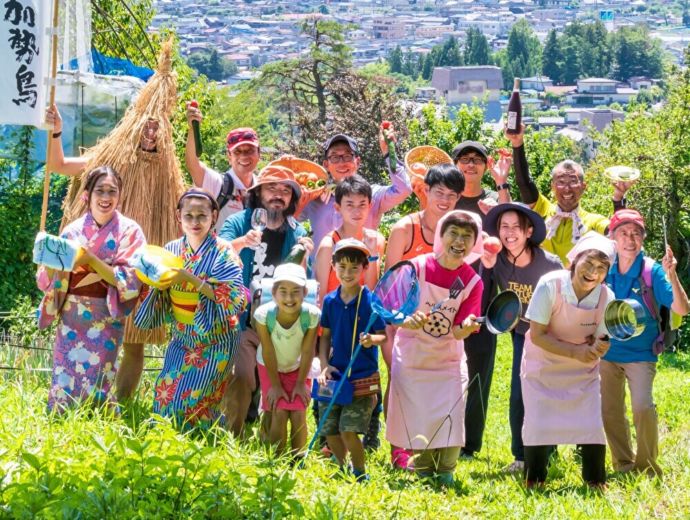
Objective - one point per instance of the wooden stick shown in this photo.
(53, 75)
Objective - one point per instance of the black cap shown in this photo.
(466, 146)
(340, 138)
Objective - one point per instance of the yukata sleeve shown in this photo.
(225, 279)
(122, 297)
(154, 309)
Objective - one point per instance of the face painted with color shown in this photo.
(513, 237)
(196, 217)
(149, 134)
(104, 199)
(288, 297)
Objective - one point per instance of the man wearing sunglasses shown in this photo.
(566, 221)
(230, 188)
(341, 160)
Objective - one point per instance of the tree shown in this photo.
(410, 66)
(428, 67)
(572, 67)
(211, 65)
(636, 53)
(523, 53)
(449, 54)
(552, 58)
(476, 48)
(301, 82)
(395, 60)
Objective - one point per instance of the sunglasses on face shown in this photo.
(245, 136)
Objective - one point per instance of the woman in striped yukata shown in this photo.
(202, 302)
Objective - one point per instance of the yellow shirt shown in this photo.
(561, 243)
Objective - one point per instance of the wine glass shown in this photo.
(259, 219)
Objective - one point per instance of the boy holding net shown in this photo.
(345, 314)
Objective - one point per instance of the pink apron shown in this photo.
(426, 407)
(562, 395)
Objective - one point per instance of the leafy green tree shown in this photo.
(394, 59)
(523, 53)
(450, 55)
(301, 82)
(636, 53)
(476, 48)
(572, 66)
(212, 65)
(552, 58)
(428, 67)
(596, 53)
(410, 65)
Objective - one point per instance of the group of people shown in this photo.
(228, 345)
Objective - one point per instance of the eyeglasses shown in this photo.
(335, 159)
(573, 183)
(244, 136)
(471, 160)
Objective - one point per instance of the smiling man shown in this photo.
(230, 188)
(341, 160)
(566, 220)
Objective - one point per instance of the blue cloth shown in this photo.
(627, 285)
(240, 224)
(339, 317)
(110, 66)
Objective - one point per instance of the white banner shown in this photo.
(24, 55)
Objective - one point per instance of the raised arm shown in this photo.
(196, 168)
(56, 161)
(529, 193)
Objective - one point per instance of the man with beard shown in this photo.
(261, 252)
(230, 188)
(566, 221)
(141, 149)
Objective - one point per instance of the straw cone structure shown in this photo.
(151, 181)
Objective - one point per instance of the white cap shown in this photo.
(290, 272)
(593, 240)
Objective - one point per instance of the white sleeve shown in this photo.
(260, 313)
(213, 181)
(601, 327)
(314, 316)
(541, 305)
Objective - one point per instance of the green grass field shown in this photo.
(90, 465)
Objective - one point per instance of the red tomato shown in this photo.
(385, 125)
(492, 245)
(193, 103)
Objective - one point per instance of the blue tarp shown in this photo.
(110, 66)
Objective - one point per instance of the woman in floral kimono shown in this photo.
(203, 301)
(92, 301)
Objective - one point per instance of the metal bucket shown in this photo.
(624, 319)
(503, 313)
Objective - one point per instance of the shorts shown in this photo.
(244, 367)
(288, 380)
(353, 417)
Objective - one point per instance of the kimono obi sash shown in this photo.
(184, 305)
(97, 289)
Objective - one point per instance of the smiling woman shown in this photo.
(560, 365)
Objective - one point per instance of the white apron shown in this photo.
(426, 404)
(562, 395)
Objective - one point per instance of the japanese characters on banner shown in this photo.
(25, 55)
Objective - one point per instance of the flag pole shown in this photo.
(53, 75)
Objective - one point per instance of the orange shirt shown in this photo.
(419, 245)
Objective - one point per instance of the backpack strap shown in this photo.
(645, 281)
(271, 318)
(304, 319)
(226, 190)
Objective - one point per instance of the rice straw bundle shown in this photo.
(151, 181)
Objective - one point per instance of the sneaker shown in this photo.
(360, 476)
(401, 459)
(445, 479)
(517, 466)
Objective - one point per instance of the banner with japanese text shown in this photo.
(24, 55)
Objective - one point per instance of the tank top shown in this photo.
(333, 282)
(419, 245)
